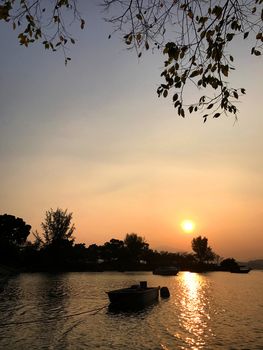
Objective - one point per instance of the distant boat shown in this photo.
(240, 269)
(166, 271)
(136, 295)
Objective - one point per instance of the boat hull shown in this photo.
(130, 297)
(241, 271)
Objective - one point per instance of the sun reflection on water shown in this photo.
(194, 316)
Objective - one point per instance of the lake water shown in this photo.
(215, 310)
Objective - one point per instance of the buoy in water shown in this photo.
(164, 292)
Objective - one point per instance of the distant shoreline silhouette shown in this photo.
(55, 250)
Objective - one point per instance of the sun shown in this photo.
(188, 226)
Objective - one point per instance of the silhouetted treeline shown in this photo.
(55, 249)
(130, 254)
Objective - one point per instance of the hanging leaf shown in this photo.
(175, 97)
(82, 23)
(246, 35)
(235, 94)
(224, 70)
(191, 108)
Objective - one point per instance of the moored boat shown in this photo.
(241, 269)
(136, 295)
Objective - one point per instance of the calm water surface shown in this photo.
(205, 311)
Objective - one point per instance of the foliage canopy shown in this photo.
(57, 227)
(202, 251)
(13, 230)
(40, 20)
(195, 36)
(13, 235)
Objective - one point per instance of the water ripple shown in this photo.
(205, 311)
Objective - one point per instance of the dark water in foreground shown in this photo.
(205, 311)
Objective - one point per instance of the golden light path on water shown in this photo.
(194, 316)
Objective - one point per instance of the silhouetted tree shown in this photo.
(203, 252)
(57, 227)
(229, 264)
(93, 253)
(56, 242)
(13, 235)
(80, 250)
(113, 250)
(136, 247)
(13, 229)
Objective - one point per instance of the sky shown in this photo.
(94, 138)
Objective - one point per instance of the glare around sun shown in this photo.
(188, 225)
